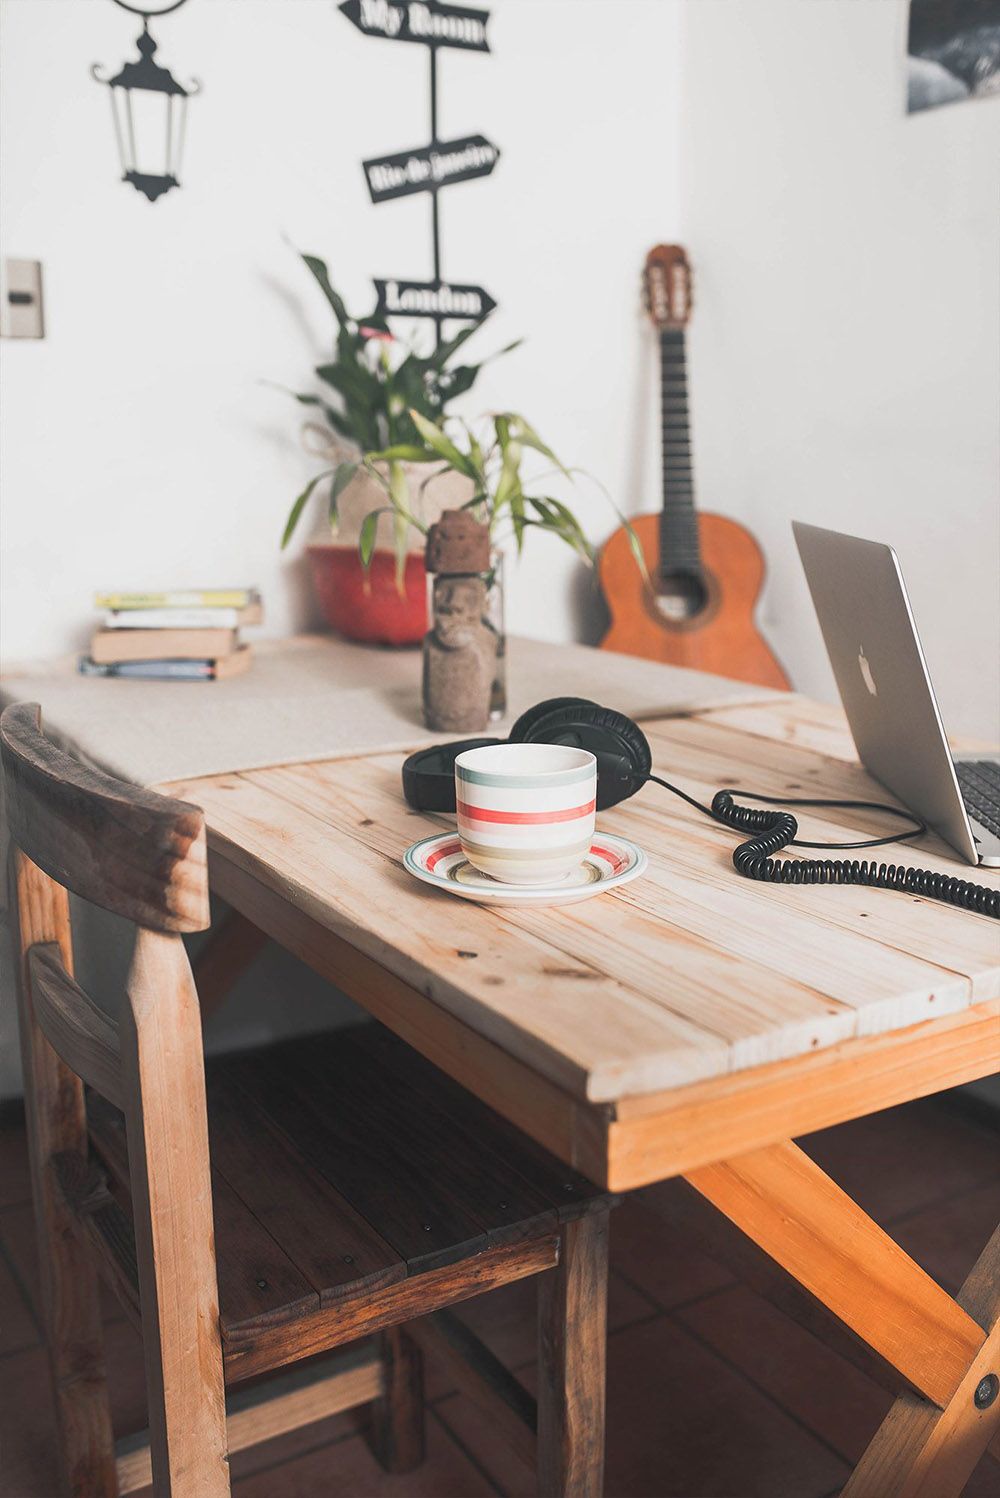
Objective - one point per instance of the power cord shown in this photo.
(774, 830)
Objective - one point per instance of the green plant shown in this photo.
(374, 396)
(493, 465)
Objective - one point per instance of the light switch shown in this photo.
(21, 299)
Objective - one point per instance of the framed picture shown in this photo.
(953, 52)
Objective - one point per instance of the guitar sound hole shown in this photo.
(681, 596)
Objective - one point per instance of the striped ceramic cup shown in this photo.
(526, 811)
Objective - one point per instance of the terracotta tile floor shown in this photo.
(711, 1390)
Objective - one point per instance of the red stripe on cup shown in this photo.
(522, 818)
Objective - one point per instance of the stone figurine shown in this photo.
(460, 648)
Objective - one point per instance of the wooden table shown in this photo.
(690, 1024)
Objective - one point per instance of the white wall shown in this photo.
(846, 341)
(139, 446)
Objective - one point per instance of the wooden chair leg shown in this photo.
(56, 1124)
(163, 1067)
(397, 1429)
(572, 1334)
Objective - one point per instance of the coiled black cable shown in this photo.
(774, 830)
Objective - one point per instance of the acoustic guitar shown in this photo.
(705, 571)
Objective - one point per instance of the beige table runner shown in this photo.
(315, 697)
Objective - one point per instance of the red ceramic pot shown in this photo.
(370, 608)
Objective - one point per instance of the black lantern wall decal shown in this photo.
(149, 111)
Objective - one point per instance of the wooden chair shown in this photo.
(330, 1189)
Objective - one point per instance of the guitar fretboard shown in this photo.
(679, 549)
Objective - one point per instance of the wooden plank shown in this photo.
(272, 1409)
(756, 1010)
(336, 1324)
(666, 1134)
(168, 1160)
(79, 1032)
(334, 1249)
(405, 1124)
(482, 1377)
(56, 1124)
(132, 851)
(572, 1351)
(426, 1231)
(920, 1451)
(568, 1192)
(626, 1041)
(801, 1218)
(538, 1107)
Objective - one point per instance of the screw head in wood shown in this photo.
(986, 1391)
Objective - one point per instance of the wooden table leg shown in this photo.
(572, 1331)
(921, 1451)
(224, 957)
(947, 1350)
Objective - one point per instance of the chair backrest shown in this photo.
(125, 849)
(143, 857)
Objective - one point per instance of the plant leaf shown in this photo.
(443, 445)
(530, 438)
(341, 478)
(403, 452)
(369, 528)
(295, 513)
(319, 270)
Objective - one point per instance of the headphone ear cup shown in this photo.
(624, 758)
(523, 730)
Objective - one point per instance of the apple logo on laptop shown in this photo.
(866, 672)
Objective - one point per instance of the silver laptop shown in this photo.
(886, 690)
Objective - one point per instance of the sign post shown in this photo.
(438, 164)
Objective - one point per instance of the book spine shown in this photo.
(195, 598)
(188, 618)
(151, 670)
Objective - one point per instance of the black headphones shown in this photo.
(624, 759)
(625, 764)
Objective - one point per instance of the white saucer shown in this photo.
(439, 860)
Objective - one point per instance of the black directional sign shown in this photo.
(427, 21)
(436, 299)
(426, 168)
(438, 164)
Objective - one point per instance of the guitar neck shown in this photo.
(679, 548)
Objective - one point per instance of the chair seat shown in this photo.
(344, 1163)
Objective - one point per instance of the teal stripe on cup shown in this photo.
(526, 782)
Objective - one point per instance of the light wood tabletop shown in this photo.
(688, 990)
(690, 1023)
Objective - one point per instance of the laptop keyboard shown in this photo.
(979, 782)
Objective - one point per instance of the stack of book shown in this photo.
(179, 636)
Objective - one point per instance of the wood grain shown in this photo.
(920, 1451)
(266, 1411)
(688, 974)
(572, 1352)
(792, 1210)
(175, 1243)
(131, 851)
(665, 1134)
(79, 1032)
(56, 1126)
(397, 1303)
(727, 641)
